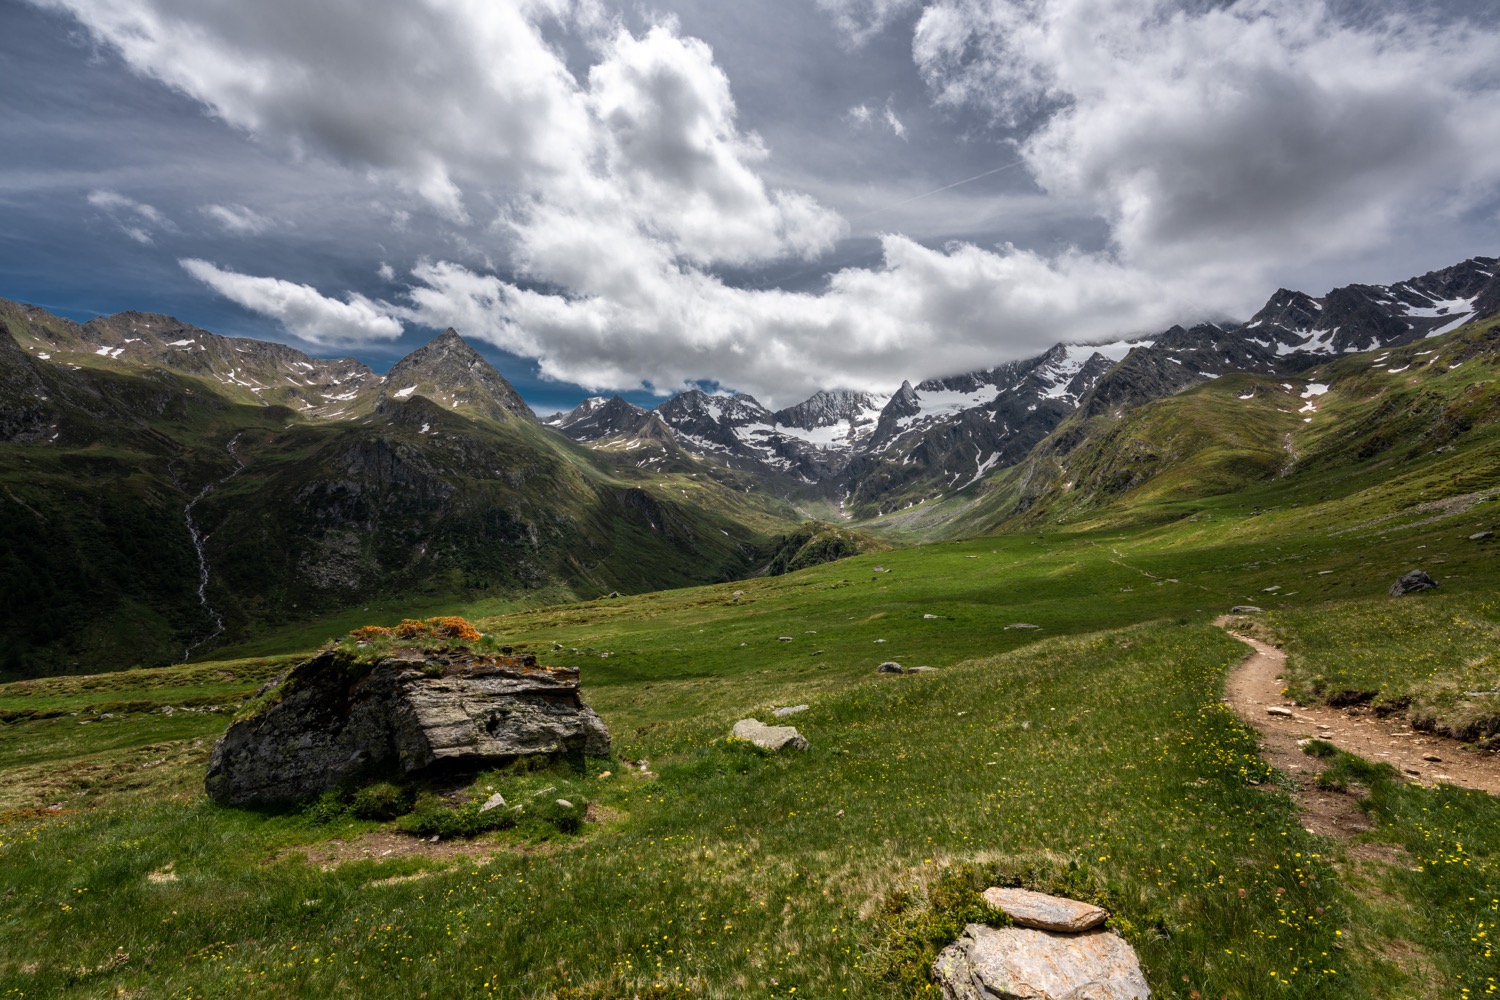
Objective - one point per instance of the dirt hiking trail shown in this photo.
(1256, 685)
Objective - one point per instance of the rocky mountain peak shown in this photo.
(600, 417)
(448, 371)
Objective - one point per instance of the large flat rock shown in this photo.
(769, 737)
(1022, 963)
(330, 721)
(1044, 912)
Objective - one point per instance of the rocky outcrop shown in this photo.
(1021, 963)
(332, 721)
(1413, 582)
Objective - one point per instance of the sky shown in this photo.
(771, 198)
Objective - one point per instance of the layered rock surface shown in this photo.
(1021, 963)
(331, 721)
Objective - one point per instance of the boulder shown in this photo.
(1412, 583)
(1044, 912)
(1480, 536)
(332, 720)
(921, 670)
(769, 737)
(1245, 609)
(890, 667)
(1022, 963)
(782, 713)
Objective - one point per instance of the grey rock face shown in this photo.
(336, 722)
(769, 737)
(1021, 963)
(1044, 912)
(1412, 583)
(890, 667)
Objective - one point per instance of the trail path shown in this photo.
(1256, 685)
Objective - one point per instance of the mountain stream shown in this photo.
(199, 538)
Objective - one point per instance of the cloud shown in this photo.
(134, 218)
(1255, 133)
(921, 312)
(861, 20)
(894, 122)
(594, 210)
(305, 312)
(862, 116)
(237, 219)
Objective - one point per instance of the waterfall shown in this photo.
(199, 538)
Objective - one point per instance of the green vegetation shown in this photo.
(1091, 753)
(1430, 655)
(817, 542)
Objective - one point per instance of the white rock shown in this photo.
(1021, 963)
(1044, 912)
(769, 737)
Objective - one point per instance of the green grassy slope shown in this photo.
(303, 520)
(1395, 429)
(1090, 754)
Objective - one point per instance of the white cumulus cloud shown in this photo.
(302, 309)
(1255, 133)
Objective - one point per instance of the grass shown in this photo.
(1431, 655)
(1091, 751)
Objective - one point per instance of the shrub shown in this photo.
(381, 801)
(433, 817)
(331, 805)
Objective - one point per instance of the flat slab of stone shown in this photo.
(1044, 912)
(1022, 963)
(1245, 609)
(781, 713)
(769, 737)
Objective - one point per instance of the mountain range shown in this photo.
(165, 490)
(878, 453)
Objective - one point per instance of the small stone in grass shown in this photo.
(565, 803)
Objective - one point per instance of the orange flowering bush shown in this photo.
(411, 628)
(440, 627)
(368, 632)
(452, 627)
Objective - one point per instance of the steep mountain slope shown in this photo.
(145, 513)
(1416, 423)
(450, 372)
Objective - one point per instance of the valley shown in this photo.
(1072, 738)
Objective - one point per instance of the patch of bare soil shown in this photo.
(381, 845)
(1254, 692)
